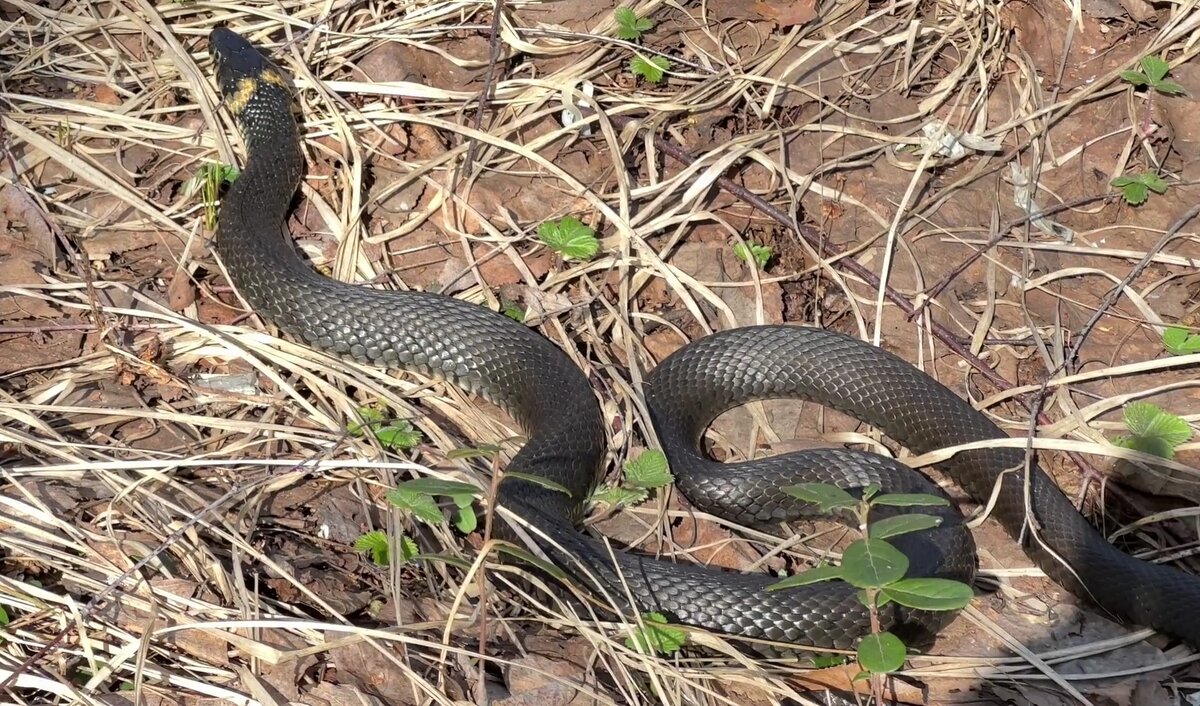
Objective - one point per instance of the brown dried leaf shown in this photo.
(790, 14)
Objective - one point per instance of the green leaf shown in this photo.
(400, 435)
(376, 544)
(1136, 187)
(1170, 88)
(465, 520)
(419, 494)
(1145, 419)
(1155, 182)
(1155, 68)
(569, 237)
(1180, 341)
(629, 26)
(823, 495)
(910, 500)
(437, 486)
(481, 451)
(542, 481)
(4, 619)
(1137, 78)
(880, 599)
(816, 574)
(761, 254)
(930, 593)
(902, 524)
(1135, 193)
(871, 491)
(370, 416)
(648, 470)
(882, 653)
(208, 181)
(419, 504)
(512, 310)
(394, 434)
(651, 69)
(656, 636)
(1153, 430)
(1147, 445)
(872, 563)
(617, 496)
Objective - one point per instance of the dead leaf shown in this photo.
(790, 14)
(26, 245)
(362, 665)
(1140, 10)
(735, 10)
(842, 679)
(532, 682)
(180, 292)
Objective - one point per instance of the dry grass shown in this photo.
(168, 532)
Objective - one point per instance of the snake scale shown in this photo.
(550, 397)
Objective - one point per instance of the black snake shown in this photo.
(510, 364)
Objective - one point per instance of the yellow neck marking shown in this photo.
(236, 102)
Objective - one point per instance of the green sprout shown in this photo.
(1153, 75)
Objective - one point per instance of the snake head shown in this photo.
(242, 70)
(236, 60)
(253, 90)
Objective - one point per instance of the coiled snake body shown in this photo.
(512, 365)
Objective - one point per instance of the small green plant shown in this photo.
(1153, 430)
(376, 544)
(569, 237)
(1136, 188)
(651, 69)
(877, 568)
(642, 474)
(760, 255)
(656, 636)
(208, 182)
(1180, 341)
(395, 434)
(1153, 75)
(630, 27)
(512, 310)
(417, 496)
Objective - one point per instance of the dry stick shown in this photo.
(1134, 273)
(1070, 358)
(485, 100)
(935, 290)
(485, 94)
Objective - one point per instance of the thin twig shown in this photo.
(1133, 274)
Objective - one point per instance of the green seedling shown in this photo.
(569, 237)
